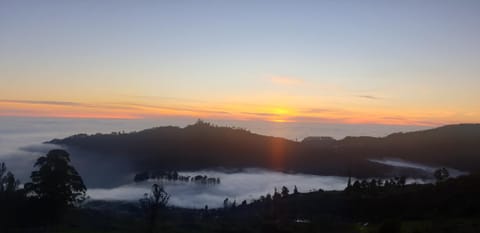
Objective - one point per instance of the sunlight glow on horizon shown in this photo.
(270, 114)
(402, 63)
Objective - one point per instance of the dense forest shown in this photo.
(203, 146)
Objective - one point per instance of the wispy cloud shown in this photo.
(179, 109)
(69, 104)
(371, 97)
(164, 98)
(263, 114)
(110, 110)
(287, 81)
(321, 110)
(44, 102)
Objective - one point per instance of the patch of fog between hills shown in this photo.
(394, 162)
(247, 185)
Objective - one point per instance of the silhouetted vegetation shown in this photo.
(55, 188)
(175, 176)
(376, 185)
(10, 198)
(441, 174)
(56, 180)
(152, 203)
(203, 146)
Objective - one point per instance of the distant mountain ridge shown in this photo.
(203, 146)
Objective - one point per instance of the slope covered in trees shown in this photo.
(202, 145)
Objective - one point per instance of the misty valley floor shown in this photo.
(448, 206)
(247, 184)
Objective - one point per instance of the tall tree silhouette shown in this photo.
(285, 191)
(295, 190)
(57, 183)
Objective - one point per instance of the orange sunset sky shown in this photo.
(409, 62)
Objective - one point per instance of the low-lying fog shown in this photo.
(406, 164)
(246, 185)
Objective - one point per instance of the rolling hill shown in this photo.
(204, 146)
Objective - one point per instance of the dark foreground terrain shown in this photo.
(387, 206)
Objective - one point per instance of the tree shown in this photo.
(226, 203)
(152, 203)
(276, 194)
(56, 181)
(268, 197)
(441, 174)
(11, 200)
(244, 203)
(285, 191)
(8, 183)
(295, 190)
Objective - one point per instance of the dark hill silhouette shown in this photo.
(202, 145)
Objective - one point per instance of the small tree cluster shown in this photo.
(174, 176)
(375, 185)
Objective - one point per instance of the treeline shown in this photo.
(175, 176)
(369, 205)
(277, 195)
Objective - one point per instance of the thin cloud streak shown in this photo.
(286, 81)
(371, 97)
(45, 102)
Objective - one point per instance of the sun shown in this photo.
(281, 115)
(281, 111)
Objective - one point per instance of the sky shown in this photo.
(340, 62)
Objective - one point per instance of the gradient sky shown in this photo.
(386, 62)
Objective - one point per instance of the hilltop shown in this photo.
(203, 145)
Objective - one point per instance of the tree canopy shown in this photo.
(57, 180)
